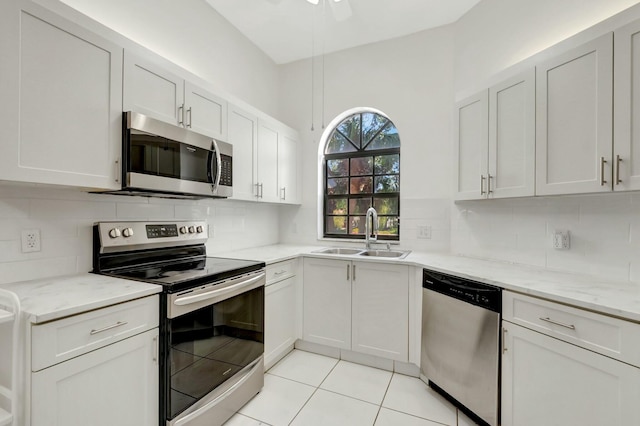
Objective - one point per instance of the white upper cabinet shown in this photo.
(288, 168)
(61, 91)
(158, 93)
(574, 96)
(243, 128)
(627, 100)
(267, 177)
(512, 137)
(205, 112)
(151, 90)
(471, 143)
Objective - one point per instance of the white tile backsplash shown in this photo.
(65, 218)
(604, 228)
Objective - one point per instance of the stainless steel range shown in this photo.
(211, 315)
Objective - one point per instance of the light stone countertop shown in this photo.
(53, 298)
(616, 298)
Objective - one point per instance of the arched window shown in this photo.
(362, 169)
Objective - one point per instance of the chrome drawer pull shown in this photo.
(280, 273)
(569, 326)
(100, 330)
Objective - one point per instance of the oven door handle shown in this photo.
(234, 288)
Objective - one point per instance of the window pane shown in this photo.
(336, 225)
(338, 167)
(351, 129)
(356, 224)
(361, 185)
(337, 186)
(386, 205)
(388, 183)
(371, 124)
(387, 138)
(361, 166)
(359, 205)
(386, 164)
(388, 225)
(337, 206)
(338, 143)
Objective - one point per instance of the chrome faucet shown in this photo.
(368, 238)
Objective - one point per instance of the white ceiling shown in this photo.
(288, 30)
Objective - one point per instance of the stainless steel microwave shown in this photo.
(164, 160)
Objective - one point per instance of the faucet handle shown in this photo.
(388, 246)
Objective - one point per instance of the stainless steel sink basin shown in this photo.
(396, 254)
(339, 250)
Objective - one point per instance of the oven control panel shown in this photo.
(141, 234)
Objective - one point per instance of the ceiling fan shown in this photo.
(341, 9)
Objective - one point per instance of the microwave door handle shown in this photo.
(234, 288)
(216, 180)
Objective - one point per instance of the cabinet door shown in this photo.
(574, 96)
(327, 302)
(205, 112)
(114, 385)
(288, 168)
(268, 162)
(243, 137)
(472, 138)
(151, 90)
(280, 320)
(546, 381)
(627, 100)
(61, 91)
(380, 316)
(512, 137)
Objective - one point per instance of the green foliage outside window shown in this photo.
(362, 169)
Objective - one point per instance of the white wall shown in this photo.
(605, 229)
(65, 218)
(194, 36)
(411, 80)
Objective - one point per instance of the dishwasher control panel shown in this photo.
(476, 293)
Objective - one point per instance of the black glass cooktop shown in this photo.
(179, 275)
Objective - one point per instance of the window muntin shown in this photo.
(362, 169)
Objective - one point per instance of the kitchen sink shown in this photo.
(339, 250)
(396, 254)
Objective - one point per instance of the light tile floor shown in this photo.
(306, 389)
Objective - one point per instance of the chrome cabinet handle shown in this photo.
(354, 272)
(279, 273)
(181, 115)
(549, 320)
(100, 330)
(602, 163)
(118, 170)
(489, 191)
(482, 178)
(257, 190)
(155, 349)
(261, 190)
(189, 116)
(348, 269)
(618, 161)
(504, 340)
(283, 191)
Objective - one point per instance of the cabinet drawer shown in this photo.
(613, 337)
(281, 270)
(64, 339)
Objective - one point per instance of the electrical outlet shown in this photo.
(211, 231)
(30, 240)
(424, 232)
(561, 240)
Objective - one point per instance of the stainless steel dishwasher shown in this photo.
(460, 356)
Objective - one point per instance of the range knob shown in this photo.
(127, 232)
(183, 229)
(192, 229)
(199, 229)
(114, 233)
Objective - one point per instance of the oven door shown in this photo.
(214, 337)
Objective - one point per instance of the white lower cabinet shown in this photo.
(112, 376)
(280, 311)
(359, 306)
(115, 385)
(558, 381)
